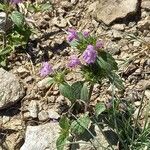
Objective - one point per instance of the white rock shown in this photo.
(43, 115)
(11, 90)
(136, 43)
(53, 114)
(145, 4)
(110, 10)
(33, 109)
(117, 34)
(5, 119)
(44, 83)
(144, 24)
(147, 94)
(42, 137)
(119, 27)
(137, 103)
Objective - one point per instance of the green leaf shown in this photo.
(60, 143)
(99, 108)
(80, 125)
(17, 18)
(116, 80)
(107, 62)
(84, 93)
(66, 90)
(76, 88)
(46, 6)
(2, 6)
(64, 123)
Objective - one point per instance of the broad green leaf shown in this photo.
(17, 18)
(107, 62)
(2, 6)
(76, 88)
(99, 108)
(64, 123)
(80, 125)
(60, 143)
(66, 90)
(84, 93)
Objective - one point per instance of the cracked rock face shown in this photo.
(110, 10)
(41, 137)
(11, 90)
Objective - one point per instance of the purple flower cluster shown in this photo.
(15, 1)
(72, 35)
(46, 69)
(73, 62)
(90, 54)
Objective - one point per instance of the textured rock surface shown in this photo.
(108, 11)
(10, 89)
(42, 137)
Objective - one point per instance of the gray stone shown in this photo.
(33, 109)
(108, 11)
(11, 90)
(42, 137)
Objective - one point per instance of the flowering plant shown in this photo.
(95, 64)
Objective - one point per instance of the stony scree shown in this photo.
(11, 90)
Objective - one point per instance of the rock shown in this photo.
(60, 22)
(53, 114)
(44, 83)
(144, 24)
(3, 25)
(92, 7)
(136, 43)
(11, 90)
(42, 137)
(137, 103)
(145, 5)
(113, 48)
(108, 11)
(43, 115)
(147, 94)
(117, 35)
(119, 27)
(33, 109)
(5, 119)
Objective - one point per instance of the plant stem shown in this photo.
(136, 121)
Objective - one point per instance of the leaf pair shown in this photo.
(77, 90)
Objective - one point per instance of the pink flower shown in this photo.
(99, 44)
(86, 34)
(72, 34)
(46, 69)
(15, 1)
(73, 62)
(89, 55)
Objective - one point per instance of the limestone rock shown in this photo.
(41, 137)
(11, 90)
(108, 11)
